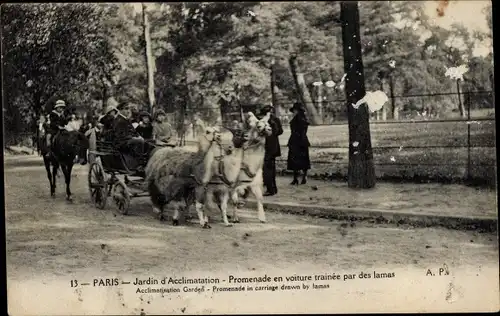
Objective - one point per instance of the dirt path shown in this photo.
(58, 240)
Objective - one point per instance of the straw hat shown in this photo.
(60, 104)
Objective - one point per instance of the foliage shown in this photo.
(86, 53)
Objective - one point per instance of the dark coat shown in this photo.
(145, 130)
(273, 148)
(123, 130)
(57, 121)
(298, 144)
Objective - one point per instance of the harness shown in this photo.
(221, 175)
(244, 167)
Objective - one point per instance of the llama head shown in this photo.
(263, 127)
(251, 120)
(211, 134)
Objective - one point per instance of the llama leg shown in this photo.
(201, 216)
(223, 207)
(235, 202)
(175, 219)
(257, 192)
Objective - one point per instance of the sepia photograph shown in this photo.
(169, 158)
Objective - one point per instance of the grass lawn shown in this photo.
(406, 150)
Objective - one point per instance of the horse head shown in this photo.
(73, 143)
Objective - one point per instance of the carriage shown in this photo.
(105, 167)
(107, 163)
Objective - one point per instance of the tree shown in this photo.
(54, 50)
(361, 170)
(148, 58)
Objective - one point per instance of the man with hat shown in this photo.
(57, 122)
(145, 128)
(124, 135)
(272, 150)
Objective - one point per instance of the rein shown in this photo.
(219, 158)
(245, 168)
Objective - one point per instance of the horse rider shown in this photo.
(125, 137)
(57, 122)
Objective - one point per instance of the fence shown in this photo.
(418, 146)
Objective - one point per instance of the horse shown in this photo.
(66, 145)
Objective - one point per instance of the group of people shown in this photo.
(134, 136)
(298, 148)
(137, 136)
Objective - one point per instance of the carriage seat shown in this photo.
(115, 160)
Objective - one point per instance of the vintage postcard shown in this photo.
(249, 157)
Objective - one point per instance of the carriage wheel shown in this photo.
(97, 185)
(121, 197)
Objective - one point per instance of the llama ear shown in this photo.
(266, 118)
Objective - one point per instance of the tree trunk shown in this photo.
(319, 99)
(273, 90)
(304, 94)
(395, 109)
(384, 108)
(461, 106)
(149, 59)
(361, 170)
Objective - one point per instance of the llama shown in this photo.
(252, 149)
(250, 177)
(171, 173)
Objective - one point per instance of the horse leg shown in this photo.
(257, 192)
(46, 161)
(67, 177)
(224, 199)
(55, 169)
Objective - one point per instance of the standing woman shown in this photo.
(298, 144)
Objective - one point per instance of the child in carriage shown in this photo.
(163, 132)
(145, 128)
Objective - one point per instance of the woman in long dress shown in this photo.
(298, 144)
